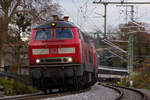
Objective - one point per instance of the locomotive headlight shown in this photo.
(70, 59)
(37, 61)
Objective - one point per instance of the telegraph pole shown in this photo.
(105, 19)
(130, 47)
(132, 13)
(130, 50)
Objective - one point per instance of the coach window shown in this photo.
(63, 33)
(43, 35)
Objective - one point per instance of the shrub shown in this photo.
(15, 87)
(141, 79)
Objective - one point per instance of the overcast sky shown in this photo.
(88, 16)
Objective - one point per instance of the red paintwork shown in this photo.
(82, 48)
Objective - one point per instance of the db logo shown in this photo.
(53, 51)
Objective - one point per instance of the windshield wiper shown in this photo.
(46, 37)
(61, 31)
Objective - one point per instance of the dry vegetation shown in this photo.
(14, 87)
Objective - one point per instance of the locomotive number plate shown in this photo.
(66, 50)
(40, 51)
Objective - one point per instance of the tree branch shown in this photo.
(14, 9)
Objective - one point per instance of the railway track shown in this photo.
(41, 95)
(126, 93)
(123, 93)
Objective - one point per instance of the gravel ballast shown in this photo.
(97, 92)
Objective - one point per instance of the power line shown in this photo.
(64, 9)
(105, 10)
(142, 15)
(120, 2)
(132, 11)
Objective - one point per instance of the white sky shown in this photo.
(84, 13)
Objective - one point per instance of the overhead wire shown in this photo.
(142, 15)
(64, 9)
(86, 17)
(77, 7)
(82, 10)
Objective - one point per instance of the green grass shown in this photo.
(15, 87)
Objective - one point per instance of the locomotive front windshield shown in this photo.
(43, 35)
(63, 34)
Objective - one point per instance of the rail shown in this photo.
(41, 95)
(116, 87)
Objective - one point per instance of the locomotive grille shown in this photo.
(53, 60)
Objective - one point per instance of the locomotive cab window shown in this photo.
(43, 35)
(63, 33)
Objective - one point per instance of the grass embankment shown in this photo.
(141, 78)
(15, 87)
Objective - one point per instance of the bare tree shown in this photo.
(7, 11)
(37, 10)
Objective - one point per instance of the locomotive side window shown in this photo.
(63, 34)
(80, 35)
(43, 35)
(86, 39)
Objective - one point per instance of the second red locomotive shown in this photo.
(61, 56)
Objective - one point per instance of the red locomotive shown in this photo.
(61, 56)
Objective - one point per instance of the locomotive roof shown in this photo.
(58, 24)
